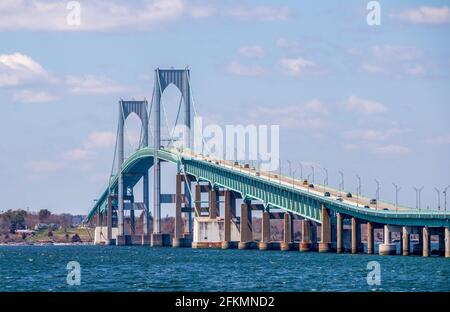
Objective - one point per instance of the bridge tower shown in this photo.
(163, 78)
(125, 109)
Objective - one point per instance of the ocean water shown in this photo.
(136, 268)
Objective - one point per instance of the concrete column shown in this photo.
(176, 242)
(354, 236)
(447, 242)
(426, 241)
(405, 241)
(387, 248)
(198, 200)
(227, 220)
(146, 204)
(213, 209)
(370, 239)
(305, 244)
(441, 246)
(287, 235)
(325, 243)
(339, 246)
(245, 226)
(109, 222)
(265, 231)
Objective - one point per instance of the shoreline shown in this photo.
(46, 244)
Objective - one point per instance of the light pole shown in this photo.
(312, 171)
(301, 170)
(397, 189)
(418, 191)
(377, 194)
(445, 197)
(293, 178)
(290, 167)
(358, 190)
(438, 192)
(279, 171)
(325, 181)
(342, 182)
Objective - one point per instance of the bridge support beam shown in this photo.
(405, 241)
(213, 207)
(305, 244)
(356, 236)
(109, 222)
(177, 241)
(286, 244)
(227, 220)
(339, 245)
(426, 242)
(264, 244)
(370, 240)
(447, 242)
(245, 226)
(325, 241)
(198, 200)
(387, 248)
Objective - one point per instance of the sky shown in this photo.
(368, 100)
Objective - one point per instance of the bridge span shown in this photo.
(328, 221)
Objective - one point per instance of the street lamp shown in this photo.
(438, 192)
(418, 191)
(397, 189)
(290, 167)
(377, 193)
(301, 170)
(445, 197)
(293, 178)
(342, 182)
(358, 190)
(325, 181)
(312, 170)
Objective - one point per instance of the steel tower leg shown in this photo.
(120, 226)
(157, 164)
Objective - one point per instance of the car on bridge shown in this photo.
(327, 194)
(349, 195)
(373, 201)
(305, 182)
(339, 198)
(311, 185)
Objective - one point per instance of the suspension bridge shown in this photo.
(215, 198)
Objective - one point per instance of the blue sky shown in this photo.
(367, 100)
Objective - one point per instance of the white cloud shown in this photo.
(364, 106)
(315, 106)
(440, 140)
(305, 116)
(100, 139)
(391, 150)
(96, 15)
(28, 96)
(44, 166)
(395, 52)
(371, 134)
(296, 66)
(290, 45)
(424, 15)
(259, 13)
(373, 69)
(19, 69)
(202, 11)
(236, 68)
(76, 154)
(89, 85)
(253, 51)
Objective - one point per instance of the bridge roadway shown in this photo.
(290, 195)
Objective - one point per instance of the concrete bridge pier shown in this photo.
(370, 238)
(264, 244)
(447, 242)
(426, 241)
(286, 244)
(356, 236)
(387, 248)
(177, 239)
(339, 245)
(325, 240)
(306, 242)
(246, 233)
(213, 205)
(227, 220)
(405, 241)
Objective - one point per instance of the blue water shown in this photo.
(109, 268)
